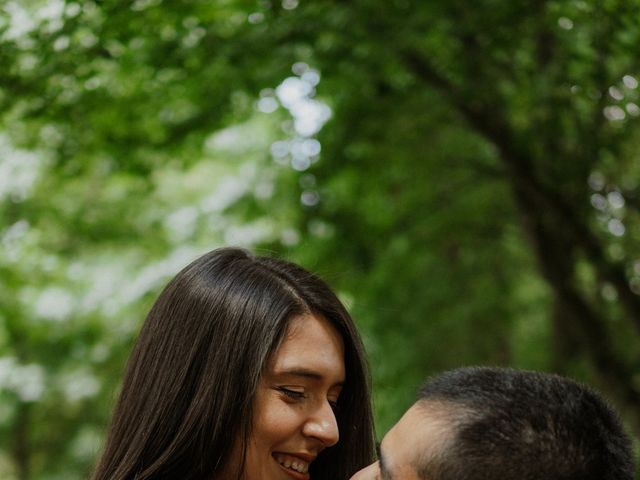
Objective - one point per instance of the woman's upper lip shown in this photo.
(307, 457)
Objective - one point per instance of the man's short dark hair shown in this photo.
(520, 425)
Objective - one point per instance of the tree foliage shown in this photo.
(473, 195)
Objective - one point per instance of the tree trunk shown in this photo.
(21, 449)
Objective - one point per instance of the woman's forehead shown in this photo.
(310, 343)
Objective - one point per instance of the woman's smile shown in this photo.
(295, 465)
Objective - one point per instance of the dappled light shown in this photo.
(630, 81)
(467, 178)
(296, 95)
(614, 113)
(26, 381)
(19, 170)
(616, 227)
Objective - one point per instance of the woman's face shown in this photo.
(294, 416)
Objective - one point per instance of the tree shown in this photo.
(475, 199)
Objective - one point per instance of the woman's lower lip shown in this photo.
(293, 474)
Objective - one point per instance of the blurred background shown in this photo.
(464, 174)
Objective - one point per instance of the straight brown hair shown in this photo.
(189, 386)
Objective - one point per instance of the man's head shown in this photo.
(501, 424)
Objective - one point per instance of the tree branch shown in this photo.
(490, 125)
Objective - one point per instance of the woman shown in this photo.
(246, 368)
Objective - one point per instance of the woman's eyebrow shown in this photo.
(304, 373)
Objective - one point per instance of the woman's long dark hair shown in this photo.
(188, 391)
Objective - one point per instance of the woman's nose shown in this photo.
(323, 426)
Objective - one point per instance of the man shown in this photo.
(502, 424)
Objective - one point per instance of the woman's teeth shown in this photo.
(292, 462)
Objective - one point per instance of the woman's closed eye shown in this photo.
(301, 395)
(293, 394)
